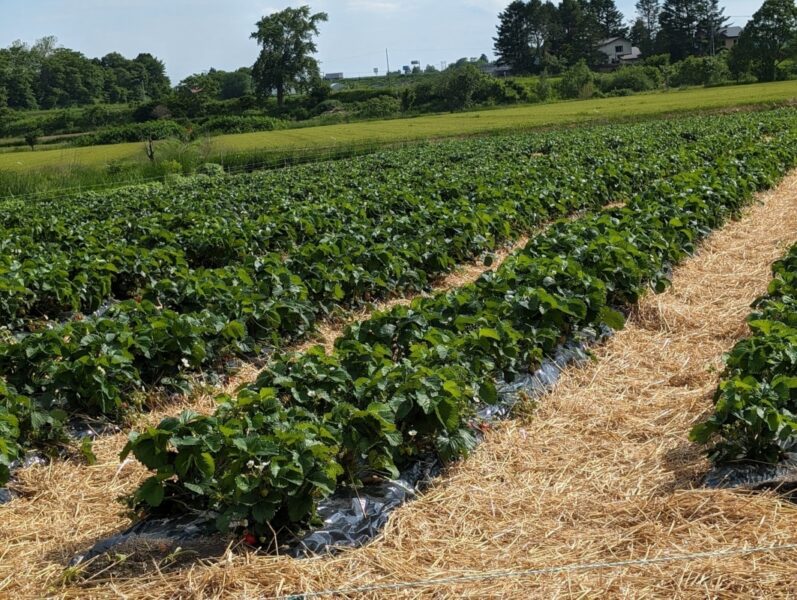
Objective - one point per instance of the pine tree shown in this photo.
(608, 18)
(512, 40)
(646, 26)
(648, 11)
(580, 33)
(711, 20)
(678, 35)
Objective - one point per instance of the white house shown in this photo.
(729, 36)
(618, 49)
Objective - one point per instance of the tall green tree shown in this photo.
(236, 84)
(579, 33)
(511, 43)
(156, 83)
(286, 51)
(769, 38)
(525, 33)
(646, 26)
(679, 25)
(608, 19)
(711, 20)
(194, 93)
(53, 77)
(67, 78)
(648, 11)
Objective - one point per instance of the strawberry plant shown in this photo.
(755, 413)
(409, 381)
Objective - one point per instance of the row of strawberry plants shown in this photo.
(408, 381)
(79, 267)
(755, 413)
(348, 230)
(184, 320)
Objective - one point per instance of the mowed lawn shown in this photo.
(434, 126)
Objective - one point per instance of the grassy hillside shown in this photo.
(337, 137)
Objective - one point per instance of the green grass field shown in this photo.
(427, 127)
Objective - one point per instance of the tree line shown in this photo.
(46, 76)
(536, 36)
(533, 36)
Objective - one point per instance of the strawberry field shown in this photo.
(109, 300)
(755, 417)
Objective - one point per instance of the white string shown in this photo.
(517, 574)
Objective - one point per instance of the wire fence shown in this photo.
(238, 163)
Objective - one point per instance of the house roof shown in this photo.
(731, 32)
(610, 40)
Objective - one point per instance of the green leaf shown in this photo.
(612, 318)
(206, 465)
(86, 450)
(263, 512)
(197, 489)
(151, 492)
(492, 334)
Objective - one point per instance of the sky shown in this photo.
(191, 36)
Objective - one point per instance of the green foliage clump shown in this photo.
(702, 70)
(577, 82)
(631, 78)
(238, 124)
(378, 108)
(210, 169)
(133, 132)
(755, 415)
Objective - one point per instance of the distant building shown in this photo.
(496, 70)
(730, 36)
(627, 59)
(333, 76)
(619, 50)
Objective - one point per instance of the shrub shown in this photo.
(239, 124)
(458, 86)
(211, 169)
(383, 106)
(170, 167)
(701, 70)
(544, 89)
(786, 69)
(577, 82)
(423, 93)
(329, 106)
(151, 111)
(134, 132)
(360, 95)
(491, 90)
(630, 79)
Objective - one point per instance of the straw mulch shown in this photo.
(601, 472)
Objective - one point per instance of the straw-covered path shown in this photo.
(601, 472)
